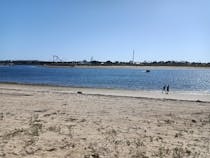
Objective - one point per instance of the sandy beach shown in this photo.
(60, 122)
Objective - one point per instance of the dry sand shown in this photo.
(57, 122)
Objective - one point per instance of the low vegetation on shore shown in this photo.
(106, 63)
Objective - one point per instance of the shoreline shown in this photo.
(193, 96)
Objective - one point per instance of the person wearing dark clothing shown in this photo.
(167, 89)
(164, 89)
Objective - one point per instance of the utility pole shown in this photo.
(133, 56)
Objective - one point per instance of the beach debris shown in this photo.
(95, 155)
(41, 110)
(83, 120)
(169, 121)
(199, 101)
(1, 116)
(194, 121)
(178, 135)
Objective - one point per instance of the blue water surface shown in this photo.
(121, 78)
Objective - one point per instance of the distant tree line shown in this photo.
(106, 63)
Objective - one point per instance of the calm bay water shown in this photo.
(183, 79)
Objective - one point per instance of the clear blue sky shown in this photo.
(105, 29)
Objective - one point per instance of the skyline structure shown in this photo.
(162, 30)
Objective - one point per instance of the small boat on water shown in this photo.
(147, 70)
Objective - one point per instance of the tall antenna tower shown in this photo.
(91, 59)
(133, 56)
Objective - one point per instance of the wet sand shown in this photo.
(59, 122)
